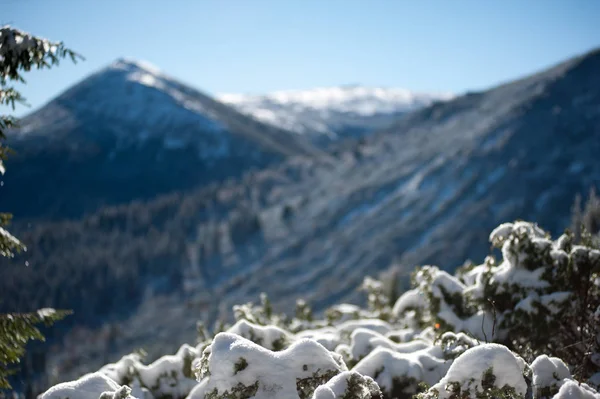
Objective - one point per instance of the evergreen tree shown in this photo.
(20, 52)
(585, 221)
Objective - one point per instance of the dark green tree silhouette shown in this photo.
(20, 52)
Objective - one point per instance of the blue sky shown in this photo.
(256, 46)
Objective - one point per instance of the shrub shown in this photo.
(523, 326)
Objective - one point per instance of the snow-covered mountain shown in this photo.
(138, 93)
(326, 114)
(427, 190)
(130, 131)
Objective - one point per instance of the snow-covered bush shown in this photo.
(349, 385)
(96, 385)
(542, 298)
(485, 371)
(237, 368)
(495, 330)
(170, 376)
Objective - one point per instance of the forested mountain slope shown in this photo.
(131, 132)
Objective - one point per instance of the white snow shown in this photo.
(501, 233)
(552, 372)
(276, 372)
(363, 341)
(455, 344)
(425, 365)
(468, 369)
(266, 336)
(322, 111)
(11, 240)
(377, 325)
(46, 312)
(354, 99)
(144, 66)
(573, 390)
(88, 386)
(328, 337)
(509, 274)
(337, 387)
(548, 371)
(165, 375)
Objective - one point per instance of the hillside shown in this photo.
(130, 132)
(312, 228)
(330, 113)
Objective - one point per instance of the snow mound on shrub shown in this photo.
(170, 375)
(237, 367)
(95, 385)
(349, 385)
(482, 368)
(573, 390)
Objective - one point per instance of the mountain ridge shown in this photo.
(329, 113)
(123, 131)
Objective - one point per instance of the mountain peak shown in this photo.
(131, 64)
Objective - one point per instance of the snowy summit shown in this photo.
(332, 112)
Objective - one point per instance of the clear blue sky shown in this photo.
(254, 46)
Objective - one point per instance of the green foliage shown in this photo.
(395, 280)
(9, 244)
(585, 222)
(488, 389)
(121, 393)
(201, 332)
(240, 391)
(18, 329)
(303, 311)
(188, 366)
(357, 385)
(259, 314)
(202, 370)
(20, 52)
(378, 302)
(454, 345)
(240, 365)
(405, 387)
(306, 386)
